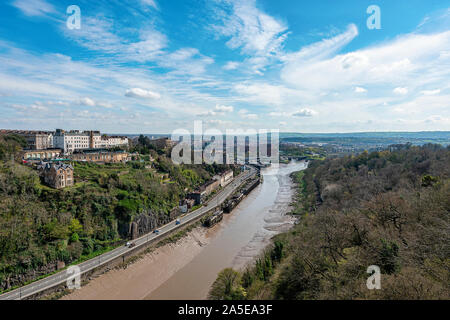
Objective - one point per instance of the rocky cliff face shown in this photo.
(148, 221)
(143, 223)
(13, 280)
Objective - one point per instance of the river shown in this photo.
(238, 238)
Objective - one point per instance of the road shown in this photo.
(62, 276)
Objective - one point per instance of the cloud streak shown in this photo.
(34, 8)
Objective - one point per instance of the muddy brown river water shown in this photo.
(238, 238)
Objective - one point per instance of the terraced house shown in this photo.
(100, 156)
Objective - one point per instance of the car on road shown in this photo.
(178, 222)
(131, 244)
(156, 232)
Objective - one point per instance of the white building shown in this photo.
(112, 141)
(69, 141)
(225, 178)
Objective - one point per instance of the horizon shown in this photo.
(280, 132)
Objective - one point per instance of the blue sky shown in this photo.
(153, 66)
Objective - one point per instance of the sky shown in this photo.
(155, 66)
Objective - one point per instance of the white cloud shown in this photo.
(217, 122)
(360, 90)
(99, 34)
(223, 108)
(251, 29)
(305, 112)
(431, 92)
(260, 93)
(34, 7)
(150, 3)
(413, 58)
(149, 48)
(231, 65)
(245, 114)
(323, 49)
(251, 116)
(186, 61)
(142, 93)
(96, 34)
(280, 114)
(219, 110)
(400, 90)
(58, 103)
(105, 105)
(87, 102)
(254, 32)
(24, 108)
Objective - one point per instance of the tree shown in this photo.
(227, 286)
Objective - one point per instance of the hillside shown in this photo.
(40, 226)
(389, 209)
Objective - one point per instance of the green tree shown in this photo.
(227, 286)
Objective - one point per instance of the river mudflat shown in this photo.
(186, 269)
(138, 279)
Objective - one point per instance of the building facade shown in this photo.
(69, 141)
(112, 141)
(73, 140)
(225, 178)
(57, 175)
(47, 154)
(200, 195)
(100, 156)
(36, 140)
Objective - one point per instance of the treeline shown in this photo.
(40, 226)
(389, 209)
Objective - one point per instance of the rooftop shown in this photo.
(57, 165)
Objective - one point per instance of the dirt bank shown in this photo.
(140, 278)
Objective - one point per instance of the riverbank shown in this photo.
(136, 280)
(355, 213)
(240, 238)
(187, 268)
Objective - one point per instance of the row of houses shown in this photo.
(68, 141)
(86, 155)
